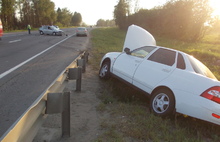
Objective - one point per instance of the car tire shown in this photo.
(41, 32)
(54, 33)
(104, 72)
(162, 103)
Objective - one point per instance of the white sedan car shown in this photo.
(174, 80)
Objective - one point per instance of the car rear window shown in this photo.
(163, 56)
(81, 29)
(200, 68)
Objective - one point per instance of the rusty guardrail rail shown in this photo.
(53, 100)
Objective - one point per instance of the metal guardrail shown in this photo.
(28, 124)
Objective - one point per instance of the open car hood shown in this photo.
(137, 37)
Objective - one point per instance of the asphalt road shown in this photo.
(28, 65)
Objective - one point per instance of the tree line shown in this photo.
(181, 19)
(105, 23)
(17, 14)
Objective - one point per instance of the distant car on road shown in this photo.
(174, 80)
(50, 30)
(81, 31)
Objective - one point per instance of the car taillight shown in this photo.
(212, 94)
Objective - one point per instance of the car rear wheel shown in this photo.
(54, 33)
(104, 72)
(162, 103)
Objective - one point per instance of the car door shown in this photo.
(50, 30)
(45, 29)
(126, 64)
(155, 69)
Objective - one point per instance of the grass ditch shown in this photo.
(128, 113)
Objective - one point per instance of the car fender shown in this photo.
(112, 56)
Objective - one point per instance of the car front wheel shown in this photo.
(41, 33)
(162, 103)
(54, 33)
(104, 72)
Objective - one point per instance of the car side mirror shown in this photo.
(127, 51)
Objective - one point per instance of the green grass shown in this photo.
(129, 117)
(106, 40)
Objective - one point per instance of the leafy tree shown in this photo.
(65, 17)
(105, 23)
(59, 16)
(19, 7)
(26, 10)
(180, 19)
(8, 14)
(76, 19)
(44, 10)
(201, 14)
(121, 12)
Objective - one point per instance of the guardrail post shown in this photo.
(86, 56)
(81, 63)
(76, 73)
(66, 115)
(60, 103)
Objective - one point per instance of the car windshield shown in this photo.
(201, 68)
(143, 51)
(52, 27)
(81, 29)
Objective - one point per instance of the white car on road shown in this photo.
(50, 30)
(174, 80)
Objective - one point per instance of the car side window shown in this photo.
(180, 62)
(143, 51)
(163, 56)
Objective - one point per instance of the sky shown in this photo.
(93, 10)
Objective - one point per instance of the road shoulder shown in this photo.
(85, 119)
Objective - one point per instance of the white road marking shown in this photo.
(21, 64)
(14, 41)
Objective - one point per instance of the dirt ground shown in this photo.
(85, 119)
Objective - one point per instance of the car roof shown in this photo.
(81, 27)
(178, 51)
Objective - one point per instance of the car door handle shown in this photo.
(137, 61)
(166, 70)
